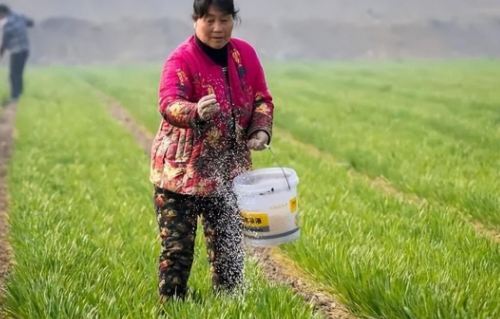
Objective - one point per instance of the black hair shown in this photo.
(4, 9)
(200, 8)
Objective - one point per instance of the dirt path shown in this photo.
(7, 116)
(284, 271)
(143, 137)
(377, 183)
(277, 268)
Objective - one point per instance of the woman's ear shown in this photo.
(194, 25)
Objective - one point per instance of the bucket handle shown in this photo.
(276, 159)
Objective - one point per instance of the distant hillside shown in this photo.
(65, 40)
(340, 11)
(71, 31)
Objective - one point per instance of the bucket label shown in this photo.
(257, 222)
(293, 205)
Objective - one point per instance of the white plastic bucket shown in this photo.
(268, 205)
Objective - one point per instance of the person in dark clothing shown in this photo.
(14, 28)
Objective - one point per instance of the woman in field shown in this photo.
(216, 107)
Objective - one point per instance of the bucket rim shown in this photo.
(266, 187)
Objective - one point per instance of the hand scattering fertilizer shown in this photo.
(267, 199)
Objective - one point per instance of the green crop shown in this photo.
(431, 129)
(83, 229)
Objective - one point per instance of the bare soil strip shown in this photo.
(387, 187)
(7, 117)
(379, 183)
(143, 137)
(284, 271)
(277, 268)
(492, 234)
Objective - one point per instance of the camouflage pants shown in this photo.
(177, 217)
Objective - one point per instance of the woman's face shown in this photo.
(215, 28)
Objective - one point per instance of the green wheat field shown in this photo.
(82, 224)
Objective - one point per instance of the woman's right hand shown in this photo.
(207, 107)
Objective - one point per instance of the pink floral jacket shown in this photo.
(195, 157)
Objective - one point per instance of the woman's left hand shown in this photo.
(258, 141)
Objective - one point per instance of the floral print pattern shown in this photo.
(177, 217)
(195, 157)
